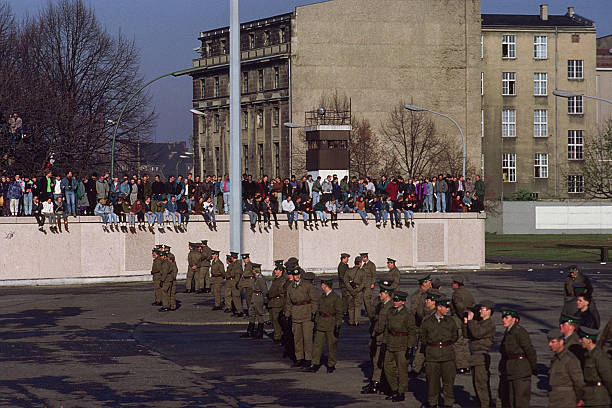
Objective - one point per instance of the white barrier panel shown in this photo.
(573, 217)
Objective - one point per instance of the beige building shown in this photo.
(603, 78)
(533, 140)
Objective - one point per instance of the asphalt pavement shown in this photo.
(106, 346)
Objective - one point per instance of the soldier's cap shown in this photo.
(488, 304)
(425, 279)
(294, 271)
(279, 268)
(391, 260)
(234, 254)
(399, 296)
(458, 279)
(572, 268)
(510, 312)
(328, 282)
(194, 244)
(228, 257)
(385, 286)
(363, 254)
(358, 260)
(291, 262)
(436, 283)
(588, 333)
(278, 262)
(166, 248)
(215, 252)
(568, 318)
(554, 334)
(433, 294)
(171, 256)
(256, 266)
(443, 301)
(344, 255)
(159, 246)
(308, 275)
(245, 255)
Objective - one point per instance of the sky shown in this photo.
(166, 32)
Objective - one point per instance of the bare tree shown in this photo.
(364, 149)
(597, 168)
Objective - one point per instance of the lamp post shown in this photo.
(235, 162)
(415, 108)
(568, 94)
(185, 155)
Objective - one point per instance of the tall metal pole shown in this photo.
(235, 162)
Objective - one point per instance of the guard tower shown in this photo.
(327, 138)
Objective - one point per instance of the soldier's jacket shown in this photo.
(228, 270)
(393, 275)
(400, 330)
(605, 339)
(329, 312)
(370, 274)
(597, 369)
(193, 259)
(379, 322)
(247, 276)
(354, 279)
(438, 336)
(286, 285)
(417, 306)
(301, 301)
(205, 257)
(174, 270)
(572, 343)
(568, 288)
(217, 272)
(481, 333)
(276, 293)
(565, 380)
(155, 268)
(462, 301)
(236, 272)
(342, 268)
(518, 357)
(165, 271)
(260, 290)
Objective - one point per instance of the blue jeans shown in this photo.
(70, 202)
(408, 214)
(428, 203)
(252, 217)
(385, 215)
(378, 216)
(322, 215)
(185, 218)
(112, 217)
(441, 202)
(289, 216)
(175, 217)
(104, 218)
(226, 202)
(364, 215)
(160, 218)
(208, 217)
(344, 197)
(316, 197)
(150, 218)
(132, 219)
(27, 204)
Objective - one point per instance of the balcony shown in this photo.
(255, 53)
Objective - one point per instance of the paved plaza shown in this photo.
(106, 346)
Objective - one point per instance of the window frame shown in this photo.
(276, 77)
(245, 81)
(540, 162)
(245, 119)
(276, 117)
(575, 184)
(509, 164)
(216, 87)
(509, 41)
(575, 144)
(508, 83)
(260, 80)
(538, 124)
(260, 119)
(575, 105)
(538, 46)
(575, 67)
(537, 83)
(509, 124)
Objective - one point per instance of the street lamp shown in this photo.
(568, 94)
(197, 112)
(415, 108)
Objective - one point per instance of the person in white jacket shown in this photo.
(288, 208)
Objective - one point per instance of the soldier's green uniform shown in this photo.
(400, 334)
(565, 377)
(257, 309)
(605, 339)
(245, 284)
(354, 279)
(370, 279)
(235, 271)
(204, 275)
(276, 297)
(287, 339)
(193, 264)
(517, 364)
(438, 334)
(228, 284)
(166, 277)
(393, 274)
(155, 272)
(301, 307)
(481, 333)
(462, 301)
(342, 269)
(217, 277)
(328, 321)
(597, 373)
(417, 307)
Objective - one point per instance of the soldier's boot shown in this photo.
(249, 331)
(298, 363)
(372, 388)
(258, 334)
(398, 397)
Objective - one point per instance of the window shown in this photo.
(575, 184)
(203, 160)
(276, 117)
(216, 89)
(276, 159)
(260, 154)
(267, 38)
(276, 77)
(203, 88)
(245, 119)
(482, 123)
(481, 83)
(223, 47)
(540, 165)
(509, 123)
(540, 83)
(251, 41)
(207, 48)
(540, 47)
(260, 119)
(216, 122)
(509, 167)
(508, 46)
(540, 123)
(218, 160)
(245, 82)
(508, 83)
(281, 35)
(481, 46)
(574, 69)
(575, 145)
(245, 158)
(574, 105)
(260, 81)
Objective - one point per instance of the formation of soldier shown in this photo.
(428, 333)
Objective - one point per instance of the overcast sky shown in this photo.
(166, 33)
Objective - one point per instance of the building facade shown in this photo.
(603, 79)
(533, 140)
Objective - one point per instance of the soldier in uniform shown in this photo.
(342, 268)
(438, 335)
(199, 271)
(393, 274)
(165, 277)
(301, 307)
(174, 272)
(205, 267)
(193, 264)
(518, 362)
(287, 339)
(605, 340)
(377, 334)
(597, 371)
(354, 279)
(257, 306)
(370, 279)
(276, 297)
(571, 342)
(481, 332)
(417, 307)
(155, 273)
(217, 277)
(327, 327)
(565, 375)
(400, 334)
(228, 284)
(462, 302)
(574, 275)
(245, 284)
(235, 272)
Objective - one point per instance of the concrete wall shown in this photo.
(453, 240)
(552, 217)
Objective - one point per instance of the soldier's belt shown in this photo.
(400, 334)
(440, 344)
(247, 277)
(216, 276)
(301, 303)
(275, 297)
(327, 315)
(257, 292)
(593, 383)
(516, 356)
(229, 278)
(483, 352)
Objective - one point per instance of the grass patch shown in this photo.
(545, 247)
